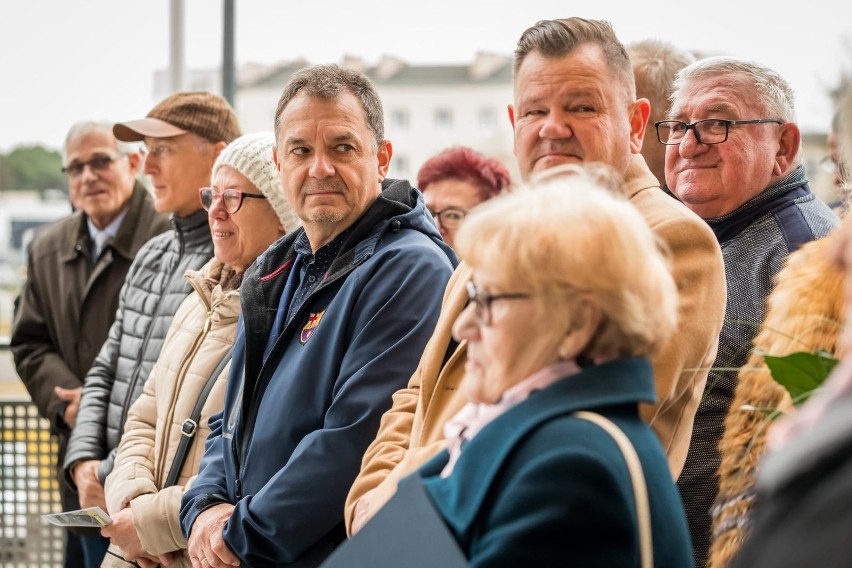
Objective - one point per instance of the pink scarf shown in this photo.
(474, 416)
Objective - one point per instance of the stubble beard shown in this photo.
(326, 216)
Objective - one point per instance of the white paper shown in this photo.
(91, 517)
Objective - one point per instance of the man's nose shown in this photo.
(555, 126)
(690, 146)
(87, 174)
(150, 163)
(321, 167)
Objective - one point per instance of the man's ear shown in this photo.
(135, 162)
(789, 143)
(639, 113)
(218, 147)
(384, 156)
(511, 109)
(275, 158)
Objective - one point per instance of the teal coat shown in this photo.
(540, 487)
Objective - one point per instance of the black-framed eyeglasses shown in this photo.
(482, 302)
(231, 198)
(708, 131)
(96, 164)
(450, 218)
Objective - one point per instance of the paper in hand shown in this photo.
(91, 517)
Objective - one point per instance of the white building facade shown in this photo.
(428, 108)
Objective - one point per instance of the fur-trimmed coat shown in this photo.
(804, 313)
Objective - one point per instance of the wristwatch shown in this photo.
(209, 500)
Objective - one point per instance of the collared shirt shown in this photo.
(313, 267)
(100, 237)
(475, 416)
(308, 271)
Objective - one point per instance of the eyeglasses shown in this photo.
(96, 164)
(828, 164)
(482, 302)
(450, 218)
(709, 131)
(167, 150)
(231, 198)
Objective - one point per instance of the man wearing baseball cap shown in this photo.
(183, 135)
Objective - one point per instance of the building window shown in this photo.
(400, 166)
(399, 119)
(443, 118)
(487, 119)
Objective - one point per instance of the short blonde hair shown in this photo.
(567, 236)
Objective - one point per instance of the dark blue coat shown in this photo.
(540, 487)
(294, 429)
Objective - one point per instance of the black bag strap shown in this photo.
(190, 425)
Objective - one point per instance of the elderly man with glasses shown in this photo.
(75, 269)
(183, 134)
(733, 157)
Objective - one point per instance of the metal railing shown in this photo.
(28, 486)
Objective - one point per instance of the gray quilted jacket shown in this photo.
(152, 293)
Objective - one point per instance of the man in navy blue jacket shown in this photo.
(335, 318)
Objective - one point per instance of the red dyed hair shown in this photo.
(489, 175)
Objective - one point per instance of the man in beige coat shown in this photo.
(567, 110)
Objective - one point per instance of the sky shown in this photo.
(63, 61)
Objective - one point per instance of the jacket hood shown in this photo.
(398, 206)
(402, 206)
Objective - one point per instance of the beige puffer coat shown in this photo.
(201, 334)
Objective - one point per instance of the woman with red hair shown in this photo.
(455, 181)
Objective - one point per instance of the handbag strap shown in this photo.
(637, 478)
(190, 425)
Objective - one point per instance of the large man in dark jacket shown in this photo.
(335, 317)
(75, 269)
(183, 135)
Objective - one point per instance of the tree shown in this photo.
(31, 168)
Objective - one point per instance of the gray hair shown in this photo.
(656, 63)
(775, 92)
(558, 38)
(84, 127)
(328, 82)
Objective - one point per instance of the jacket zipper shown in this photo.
(249, 421)
(135, 379)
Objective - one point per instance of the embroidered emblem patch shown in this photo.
(308, 330)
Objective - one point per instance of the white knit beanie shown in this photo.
(251, 155)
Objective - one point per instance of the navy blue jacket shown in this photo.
(541, 487)
(294, 429)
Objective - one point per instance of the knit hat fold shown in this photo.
(251, 155)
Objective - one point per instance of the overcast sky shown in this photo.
(63, 61)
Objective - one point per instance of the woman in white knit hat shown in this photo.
(164, 435)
